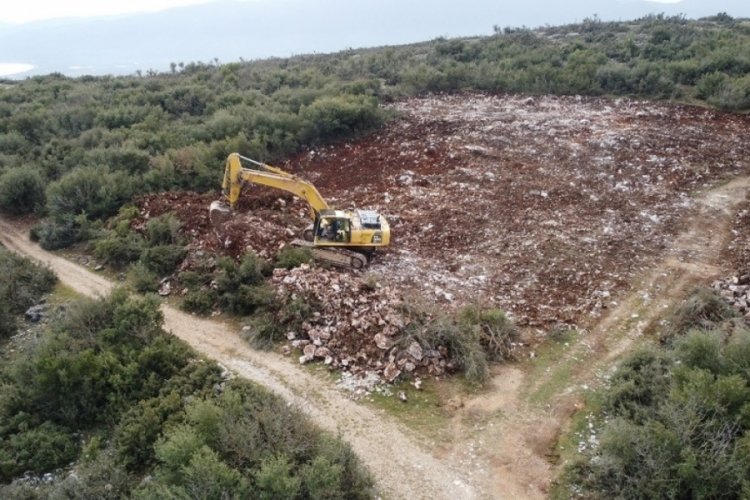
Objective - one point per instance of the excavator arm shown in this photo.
(235, 176)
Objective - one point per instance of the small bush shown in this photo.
(94, 191)
(473, 337)
(8, 324)
(21, 191)
(252, 269)
(199, 301)
(142, 279)
(321, 478)
(495, 331)
(290, 257)
(118, 251)
(638, 385)
(193, 280)
(275, 480)
(337, 116)
(55, 233)
(162, 259)
(163, 230)
(23, 282)
(464, 347)
(41, 449)
(709, 85)
(140, 428)
(703, 308)
(264, 331)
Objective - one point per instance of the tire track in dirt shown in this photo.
(401, 464)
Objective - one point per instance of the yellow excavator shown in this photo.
(345, 238)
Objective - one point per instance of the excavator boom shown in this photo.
(235, 176)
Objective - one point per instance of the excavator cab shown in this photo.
(333, 228)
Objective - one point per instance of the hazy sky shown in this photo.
(35, 10)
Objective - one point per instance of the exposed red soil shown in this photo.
(546, 206)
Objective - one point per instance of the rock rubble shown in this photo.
(735, 290)
(357, 327)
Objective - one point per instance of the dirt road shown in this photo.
(402, 465)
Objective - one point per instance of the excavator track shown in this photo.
(339, 257)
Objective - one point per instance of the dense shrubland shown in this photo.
(674, 421)
(106, 389)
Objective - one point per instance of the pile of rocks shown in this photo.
(359, 325)
(736, 291)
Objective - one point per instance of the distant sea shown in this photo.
(10, 69)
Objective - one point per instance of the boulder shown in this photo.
(36, 313)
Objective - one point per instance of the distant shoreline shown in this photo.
(12, 69)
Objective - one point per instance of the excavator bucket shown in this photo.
(219, 213)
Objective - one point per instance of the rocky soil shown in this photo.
(544, 206)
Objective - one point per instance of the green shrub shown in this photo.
(252, 269)
(140, 428)
(96, 192)
(473, 337)
(142, 279)
(41, 449)
(703, 308)
(264, 331)
(701, 349)
(163, 230)
(274, 479)
(163, 259)
(332, 117)
(175, 449)
(119, 251)
(495, 331)
(732, 95)
(55, 233)
(322, 479)
(23, 282)
(207, 476)
(102, 479)
(199, 301)
(638, 385)
(247, 299)
(290, 257)
(8, 324)
(193, 280)
(709, 85)
(464, 347)
(21, 191)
